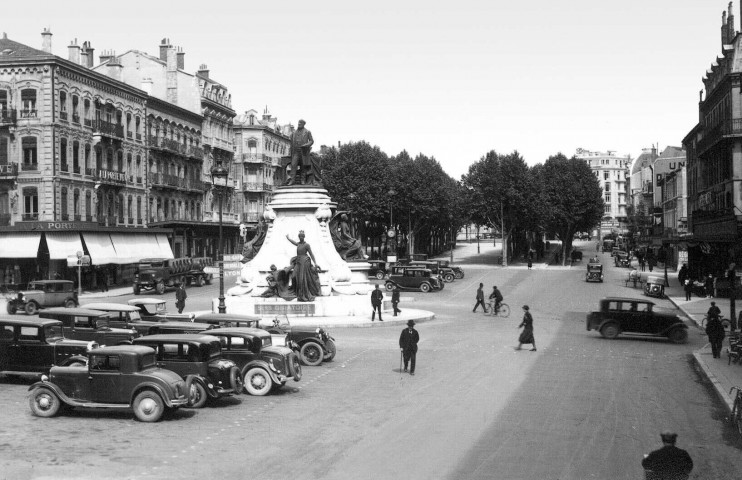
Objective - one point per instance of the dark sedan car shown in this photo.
(90, 325)
(414, 278)
(617, 315)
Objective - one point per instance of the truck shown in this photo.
(159, 273)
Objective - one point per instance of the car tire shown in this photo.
(11, 308)
(311, 354)
(459, 275)
(380, 275)
(148, 406)
(44, 402)
(678, 335)
(136, 289)
(197, 395)
(389, 286)
(200, 281)
(330, 350)
(449, 277)
(70, 303)
(610, 330)
(160, 288)
(425, 287)
(257, 382)
(32, 308)
(235, 380)
(296, 367)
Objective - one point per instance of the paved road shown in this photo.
(580, 407)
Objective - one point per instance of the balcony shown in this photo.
(109, 221)
(196, 152)
(27, 167)
(88, 122)
(29, 217)
(9, 171)
(153, 141)
(63, 116)
(89, 172)
(28, 113)
(4, 219)
(108, 129)
(139, 221)
(76, 169)
(728, 128)
(131, 220)
(7, 117)
(139, 180)
(257, 187)
(172, 146)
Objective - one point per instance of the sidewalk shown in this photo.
(717, 370)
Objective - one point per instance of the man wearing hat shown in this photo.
(408, 344)
(669, 462)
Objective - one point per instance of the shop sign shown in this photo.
(54, 226)
(110, 176)
(682, 256)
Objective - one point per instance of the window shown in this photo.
(120, 160)
(607, 209)
(75, 109)
(30, 203)
(87, 158)
(88, 203)
(86, 112)
(607, 187)
(76, 157)
(63, 153)
(76, 204)
(28, 145)
(607, 198)
(129, 210)
(3, 103)
(63, 105)
(63, 200)
(120, 207)
(28, 103)
(605, 175)
(3, 150)
(137, 124)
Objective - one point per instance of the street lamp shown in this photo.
(450, 221)
(219, 176)
(391, 234)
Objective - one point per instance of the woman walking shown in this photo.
(526, 336)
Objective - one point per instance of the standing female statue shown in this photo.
(305, 278)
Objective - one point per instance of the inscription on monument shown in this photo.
(284, 309)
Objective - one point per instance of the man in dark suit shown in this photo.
(395, 300)
(408, 344)
(669, 462)
(376, 297)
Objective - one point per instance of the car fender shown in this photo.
(210, 391)
(609, 320)
(673, 327)
(265, 366)
(57, 391)
(74, 358)
(149, 385)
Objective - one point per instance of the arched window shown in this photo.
(30, 154)
(76, 156)
(63, 154)
(76, 204)
(63, 201)
(120, 160)
(121, 207)
(130, 210)
(88, 207)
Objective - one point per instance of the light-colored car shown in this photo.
(44, 294)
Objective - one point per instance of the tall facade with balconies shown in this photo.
(611, 170)
(260, 144)
(714, 161)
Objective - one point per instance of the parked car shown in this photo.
(617, 315)
(414, 278)
(90, 325)
(458, 271)
(594, 272)
(155, 309)
(114, 377)
(127, 316)
(44, 294)
(30, 346)
(654, 286)
(379, 269)
(196, 275)
(435, 266)
(263, 366)
(229, 320)
(315, 343)
(622, 259)
(199, 360)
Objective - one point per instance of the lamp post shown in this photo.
(392, 232)
(450, 222)
(219, 176)
(79, 274)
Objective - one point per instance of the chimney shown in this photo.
(171, 78)
(74, 52)
(147, 85)
(115, 69)
(84, 57)
(106, 56)
(91, 54)
(181, 59)
(164, 46)
(203, 70)
(730, 25)
(46, 40)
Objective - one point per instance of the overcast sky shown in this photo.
(450, 79)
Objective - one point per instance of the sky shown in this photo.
(449, 79)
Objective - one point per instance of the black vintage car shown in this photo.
(198, 359)
(437, 267)
(43, 294)
(90, 325)
(379, 269)
(594, 272)
(617, 315)
(457, 271)
(114, 377)
(128, 317)
(315, 343)
(30, 346)
(264, 367)
(414, 278)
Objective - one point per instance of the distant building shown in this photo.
(611, 170)
(670, 222)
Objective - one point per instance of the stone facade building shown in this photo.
(611, 170)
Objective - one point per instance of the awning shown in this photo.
(164, 245)
(101, 249)
(63, 244)
(19, 245)
(128, 249)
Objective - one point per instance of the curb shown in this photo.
(369, 324)
(721, 392)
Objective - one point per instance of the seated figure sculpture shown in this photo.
(346, 244)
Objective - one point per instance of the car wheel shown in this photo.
(311, 354)
(148, 406)
(69, 303)
(449, 277)
(380, 275)
(197, 395)
(235, 380)
(136, 289)
(160, 288)
(200, 281)
(296, 366)
(11, 308)
(609, 330)
(678, 335)
(331, 350)
(44, 402)
(425, 287)
(459, 275)
(32, 308)
(389, 286)
(258, 382)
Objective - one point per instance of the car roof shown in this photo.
(124, 350)
(110, 306)
(177, 337)
(153, 259)
(225, 317)
(626, 299)
(145, 301)
(240, 331)
(51, 281)
(30, 322)
(73, 311)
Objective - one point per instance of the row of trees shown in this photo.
(417, 199)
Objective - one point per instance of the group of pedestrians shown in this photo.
(495, 299)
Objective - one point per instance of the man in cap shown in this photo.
(408, 345)
(669, 462)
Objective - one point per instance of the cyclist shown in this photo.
(496, 299)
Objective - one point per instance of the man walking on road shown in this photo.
(480, 299)
(395, 300)
(180, 298)
(408, 345)
(376, 297)
(715, 332)
(669, 462)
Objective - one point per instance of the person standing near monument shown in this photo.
(376, 297)
(180, 298)
(301, 146)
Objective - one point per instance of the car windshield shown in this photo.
(149, 361)
(134, 316)
(213, 349)
(53, 331)
(36, 286)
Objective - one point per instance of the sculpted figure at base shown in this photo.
(304, 276)
(252, 247)
(278, 284)
(346, 244)
(301, 147)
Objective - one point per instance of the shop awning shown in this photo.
(19, 245)
(128, 248)
(101, 248)
(164, 246)
(63, 244)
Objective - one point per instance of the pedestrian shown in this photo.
(180, 297)
(713, 311)
(683, 274)
(642, 262)
(715, 332)
(530, 262)
(102, 280)
(480, 299)
(652, 262)
(708, 286)
(597, 246)
(408, 345)
(688, 287)
(526, 335)
(376, 297)
(669, 462)
(395, 301)
(495, 299)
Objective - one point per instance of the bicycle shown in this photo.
(735, 416)
(502, 311)
(724, 322)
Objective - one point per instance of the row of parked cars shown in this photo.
(114, 355)
(415, 274)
